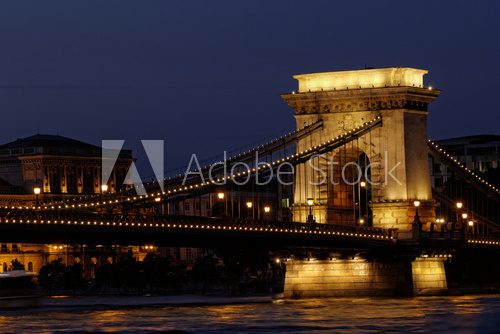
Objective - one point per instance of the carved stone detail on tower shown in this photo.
(345, 100)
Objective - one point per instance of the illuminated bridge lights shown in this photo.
(258, 229)
(443, 152)
(483, 242)
(179, 189)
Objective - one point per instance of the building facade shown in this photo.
(480, 153)
(57, 165)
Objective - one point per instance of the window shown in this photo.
(30, 266)
(198, 206)
(186, 206)
(285, 202)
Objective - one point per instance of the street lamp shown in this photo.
(221, 196)
(249, 205)
(453, 225)
(464, 220)
(440, 221)
(104, 188)
(310, 217)
(416, 225)
(416, 204)
(267, 209)
(362, 184)
(471, 226)
(37, 191)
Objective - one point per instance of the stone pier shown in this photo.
(361, 277)
(429, 276)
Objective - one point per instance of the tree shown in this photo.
(206, 270)
(157, 271)
(74, 277)
(52, 275)
(15, 265)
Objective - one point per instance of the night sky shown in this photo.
(206, 75)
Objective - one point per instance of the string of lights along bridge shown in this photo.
(340, 139)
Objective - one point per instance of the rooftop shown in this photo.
(470, 140)
(53, 145)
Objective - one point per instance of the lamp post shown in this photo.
(267, 210)
(37, 191)
(440, 221)
(222, 197)
(464, 221)
(310, 217)
(454, 224)
(249, 205)
(416, 225)
(471, 226)
(104, 188)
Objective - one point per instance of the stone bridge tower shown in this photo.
(396, 151)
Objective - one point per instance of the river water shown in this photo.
(460, 314)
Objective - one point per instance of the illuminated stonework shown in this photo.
(428, 275)
(338, 278)
(369, 78)
(361, 277)
(343, 100)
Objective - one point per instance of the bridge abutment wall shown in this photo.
(361, 277)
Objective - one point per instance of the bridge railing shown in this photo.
(86, 218)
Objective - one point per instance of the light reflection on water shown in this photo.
(424, 314)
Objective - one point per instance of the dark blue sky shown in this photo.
(206, 75)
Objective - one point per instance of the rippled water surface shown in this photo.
(424, 314)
